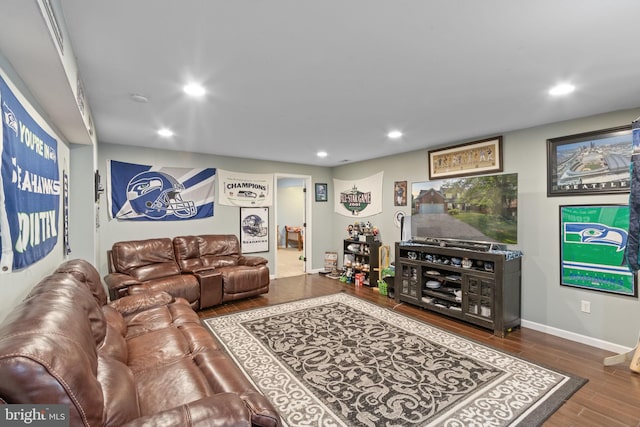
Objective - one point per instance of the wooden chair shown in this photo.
(293, 235)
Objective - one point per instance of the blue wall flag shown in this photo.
(632, 251)
(30, 190)
(154, 193)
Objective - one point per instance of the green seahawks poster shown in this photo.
(592, 246)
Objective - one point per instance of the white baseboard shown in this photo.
(572, 336)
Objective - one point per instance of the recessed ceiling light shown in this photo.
(322, 154)
(165, 133)
(394, 134)
(139, 98)
(194, 89)
(562, 89)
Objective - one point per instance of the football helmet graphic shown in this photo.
(157, 194)
(254, 226)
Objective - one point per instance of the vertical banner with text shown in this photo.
(30, 190)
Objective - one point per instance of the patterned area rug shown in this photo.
(341, 361)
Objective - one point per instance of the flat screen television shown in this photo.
(477, 209)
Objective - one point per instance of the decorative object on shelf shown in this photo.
(321, 192)
(589, 163)
(592, 242)
(359, 257)
(358, 230)
(472, 158)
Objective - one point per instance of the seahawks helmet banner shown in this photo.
(245, 189)
(157, 193)
(30, 190)
(360, 197)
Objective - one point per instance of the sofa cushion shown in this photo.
(156, 348)
(114, 345)
(86, 273)
(242, 278)
(145, 259)
(115, 319)
(120, 395)
(219, 250)
(182, 286)
(174, 314)
(166, 386)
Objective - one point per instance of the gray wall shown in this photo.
(546, 305)
(226, 219)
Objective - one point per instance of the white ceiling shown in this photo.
(286, 78)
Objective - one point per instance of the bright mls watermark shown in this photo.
(34, 415)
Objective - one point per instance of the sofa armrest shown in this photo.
(131, 304)
(197, 270)
(221, 410)
(251, 260)
(118, 283)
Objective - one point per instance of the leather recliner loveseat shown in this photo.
(206, 270)
(142, 360)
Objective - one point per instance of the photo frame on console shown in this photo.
(593, 239)
(254, 230)
(472, 158)
(589, 163)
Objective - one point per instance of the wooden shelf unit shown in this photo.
(485, 292)
(365, 258)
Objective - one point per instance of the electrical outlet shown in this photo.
(585, 306)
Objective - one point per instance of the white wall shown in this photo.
(16, 285)
(545, 304)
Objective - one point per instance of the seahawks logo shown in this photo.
(10, 118)
(598, 234)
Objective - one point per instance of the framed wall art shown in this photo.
(254, 230)
(472, 158)
(400, 193)
(321, 192)
(589, 163)
(593, 239)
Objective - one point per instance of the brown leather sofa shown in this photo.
(142, 360)
(206, 270)
(242, 276)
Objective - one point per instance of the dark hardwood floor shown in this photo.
(611, 398)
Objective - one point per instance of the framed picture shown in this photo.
(589, 163)
(472, 158)
(321, 192)
(254, 230)
(593, 239)
(400, 193)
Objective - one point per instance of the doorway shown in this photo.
(293, 239)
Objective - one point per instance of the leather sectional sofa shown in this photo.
(142, 360)
(206, 270)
